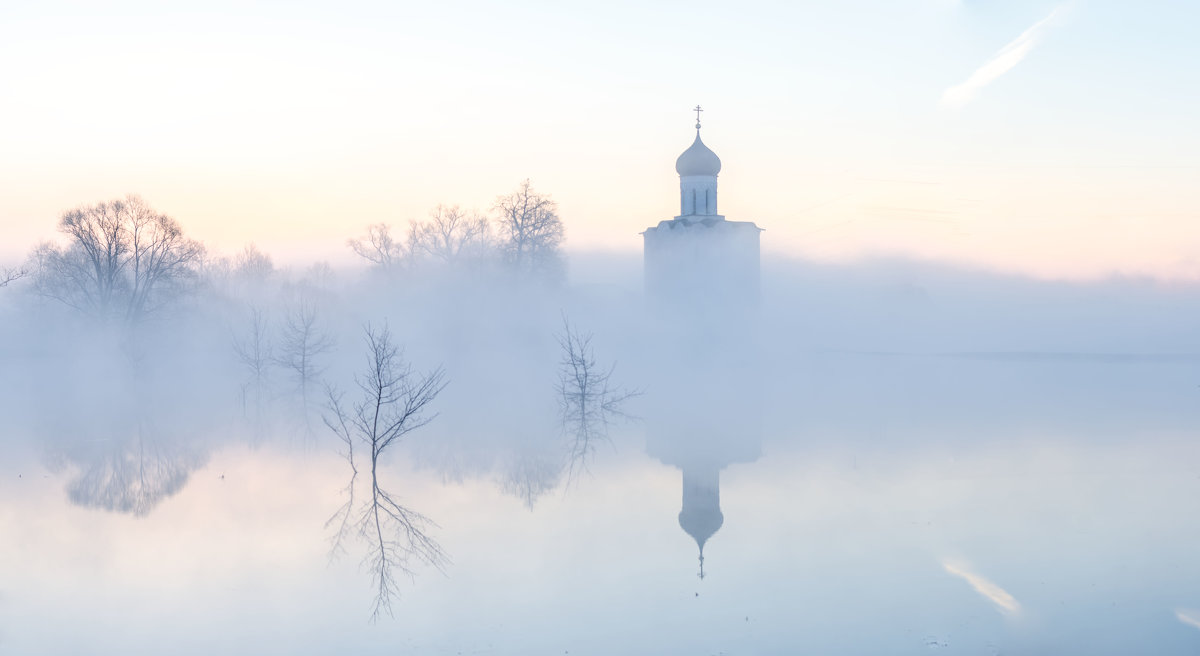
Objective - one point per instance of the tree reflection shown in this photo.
(393, 402)
(588, 401)
(131, 475)
(339, 522)
(530, 476)
(527, 444)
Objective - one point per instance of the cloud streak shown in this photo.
(1000, 63)
(992, 592)
(1188, 617)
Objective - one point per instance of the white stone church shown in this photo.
(699, 256)
(703, 270)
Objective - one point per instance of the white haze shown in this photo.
(916, 372)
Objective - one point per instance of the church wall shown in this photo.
(702, 264)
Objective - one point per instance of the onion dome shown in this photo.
(701, 523)
(698, 160)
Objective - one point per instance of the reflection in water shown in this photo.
(531, 475)
(130, 474)
(1095, 567)
(530, 458)
(587, 401)
(701, 461)
(530, 415)
(339, 523)
(701, 515)
(701, 422)
(393, 402)
(702, 280)
(255, 355)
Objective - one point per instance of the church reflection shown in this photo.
(700, 425)
(702, 285)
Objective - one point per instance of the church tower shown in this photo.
(699, 259)
(698, 168)
(702, 279)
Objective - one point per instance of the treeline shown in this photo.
(128, 316)
(523, 233)
(138, 351)
(122, 261)
(127, 304)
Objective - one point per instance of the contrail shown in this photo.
(1000, 63)
(1189, 617)
(991, 591)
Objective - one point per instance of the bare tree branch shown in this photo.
(531, 234)
(302, 342)
(378, 247)
(450, 236)
(9, 275)
(587, 401)
(253, 351)
(253, 265)
(123, 261)
(393, 402)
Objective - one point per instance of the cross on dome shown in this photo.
(699, 160)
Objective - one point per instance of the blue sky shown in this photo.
(293, 125)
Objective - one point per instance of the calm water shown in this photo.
(868, 504)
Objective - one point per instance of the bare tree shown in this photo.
(9, 275)
(253, 265)
(393, 402)
(450, 236)
(587, 400)
(531, 234)
(123, 260)
(253, 350)
(318, 276)
(301, 344)
(216, 274)
(378, 247)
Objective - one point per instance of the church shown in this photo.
(699, 257)
(702, 280)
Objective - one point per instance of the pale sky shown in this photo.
(1055, 139)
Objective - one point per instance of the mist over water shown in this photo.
(883, 457)
(910, 367)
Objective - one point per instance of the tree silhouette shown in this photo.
(9, 275)
(378, 247)
(587, 400)
(123, 261)
(450, 236)
(392, 402)
(254, 353)
(301, 344)
(530, 231)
